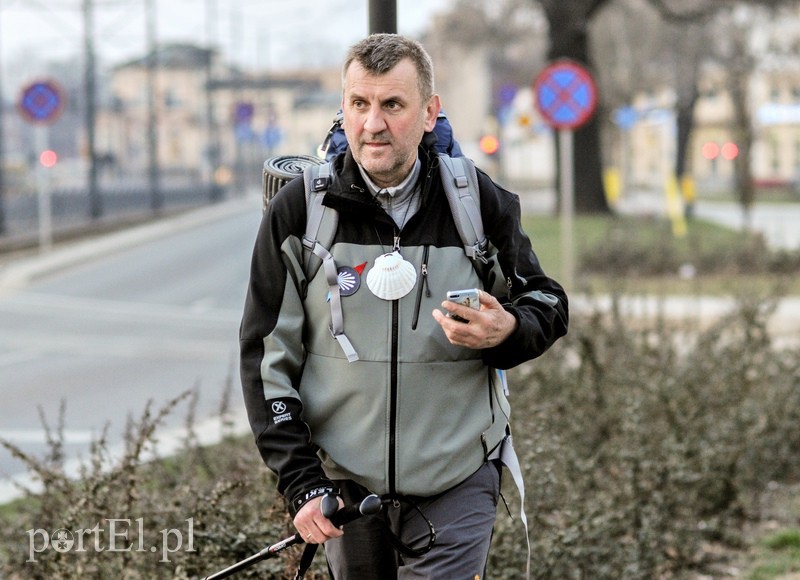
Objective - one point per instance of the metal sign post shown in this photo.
(41, 104)
(43, 193)
(567, 183)
(566, 96)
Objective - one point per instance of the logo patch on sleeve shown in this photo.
(280, 412)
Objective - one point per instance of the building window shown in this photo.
(775, 154)
(171, 100)
(797, 157)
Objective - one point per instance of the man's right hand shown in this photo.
(314, 527)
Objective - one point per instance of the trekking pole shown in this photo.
(369, 505)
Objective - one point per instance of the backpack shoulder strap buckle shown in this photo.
(460, 182)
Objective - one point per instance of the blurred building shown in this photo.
(215, 121)
(772, 97)
(211, 119)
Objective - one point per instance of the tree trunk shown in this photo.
(739, 73)
(569, 22)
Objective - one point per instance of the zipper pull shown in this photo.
(423, 268)
(396, 245)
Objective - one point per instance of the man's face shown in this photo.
(384, 120)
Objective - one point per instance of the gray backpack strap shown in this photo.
(321, 223)
(461, 186)
(508, 456)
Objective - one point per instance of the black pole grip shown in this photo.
(339, 517)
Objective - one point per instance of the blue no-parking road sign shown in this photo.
(566, 94)
(41, 102)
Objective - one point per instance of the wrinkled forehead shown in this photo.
(403, 79)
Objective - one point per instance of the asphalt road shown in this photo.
(106, 330)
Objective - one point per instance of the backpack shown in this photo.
(460, 181)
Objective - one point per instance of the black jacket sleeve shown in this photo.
(537, 301)
(271, 350)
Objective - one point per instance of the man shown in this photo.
(420, 415)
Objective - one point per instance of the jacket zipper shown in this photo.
(394, 355)
(393, 401)
(423, 285)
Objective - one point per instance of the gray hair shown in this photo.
(380, 53)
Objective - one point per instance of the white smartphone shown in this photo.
(467, 297)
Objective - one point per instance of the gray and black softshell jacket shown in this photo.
(414, 415)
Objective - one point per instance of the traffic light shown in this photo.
(710, 150)
(489, 144)
(48, 158)
(730, 151)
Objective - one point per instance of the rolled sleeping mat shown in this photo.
(280, 170)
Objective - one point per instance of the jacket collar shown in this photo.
(348, 192)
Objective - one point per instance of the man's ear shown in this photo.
(432, 112)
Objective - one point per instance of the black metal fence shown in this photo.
(71, 210)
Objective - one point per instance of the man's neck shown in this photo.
(408, 181)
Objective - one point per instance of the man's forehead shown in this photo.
(401, 79)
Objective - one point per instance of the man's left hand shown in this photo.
(484, 328)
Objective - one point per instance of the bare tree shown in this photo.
(730, 25)
(569, 22)
(740, 64)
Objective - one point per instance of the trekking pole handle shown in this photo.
(368, 506)
(330, 509)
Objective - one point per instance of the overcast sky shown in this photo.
(255, 33)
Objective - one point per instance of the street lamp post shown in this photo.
(95, 203)
(382, 16)
(2, 155)
(153, 171)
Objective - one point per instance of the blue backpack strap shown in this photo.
(461, 186)
(321, 223)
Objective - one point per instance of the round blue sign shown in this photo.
(41, 102)
(566, 94)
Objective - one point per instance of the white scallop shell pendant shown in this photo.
(391, 277)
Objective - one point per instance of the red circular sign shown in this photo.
(41, 102)
(566, 94)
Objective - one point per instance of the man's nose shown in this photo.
(375, 121)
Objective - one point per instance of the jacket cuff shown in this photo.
(303, 498)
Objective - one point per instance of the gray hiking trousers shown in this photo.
(463, 518)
